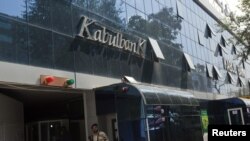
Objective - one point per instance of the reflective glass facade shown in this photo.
(43, 33)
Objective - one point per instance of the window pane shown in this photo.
(148, 6)
(77, 13)
(63, 52)
(120, 7)
(83, 57)
(155, 6)
(130, 12)
(13, 41)
(40, 45)
(80, 3)
(113, 10)
(180, 9)
(131, 2)
(113, 63)
(99, 57)
(61, 16)
(39, 12)
(124, 63)
(140, 5)
(93, 5)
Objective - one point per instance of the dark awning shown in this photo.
(156, 95)
(246, 101)
(236, 101)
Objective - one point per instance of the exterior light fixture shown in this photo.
(128, 79)
(49, 79)
(124, 89)
(69, 82)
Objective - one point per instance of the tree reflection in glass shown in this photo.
(163, 25)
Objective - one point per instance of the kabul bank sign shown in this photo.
(91, 30)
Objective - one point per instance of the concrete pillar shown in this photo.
(89, 110)
(11, 119)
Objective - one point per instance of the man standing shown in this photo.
(97, 135)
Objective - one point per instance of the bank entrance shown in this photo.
(41, 113)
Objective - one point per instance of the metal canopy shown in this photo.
(155, 95)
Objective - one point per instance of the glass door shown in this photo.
(32, 132)
(50, 131)
(46, 130)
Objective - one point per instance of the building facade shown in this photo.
(172, 43)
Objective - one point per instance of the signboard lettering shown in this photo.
(91, 30)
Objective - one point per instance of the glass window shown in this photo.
(155, 6)
(178, 38)
(222, 50)
(99, 58)
(136, 66)
(131, 2)
(14, 8)
(172, 56)
(39, 12)
(242, 81)
(77, 14)
(187, 30)
(223, 41)
(63, 52)
(83, 58)
(13, 41)
(209, 31)
(194, 49)
(168, 3)
(61, 16)
(188, 44)
(194, 22)
(156, 48)
(40, 47)
(193, 33)
(174, 76)
(130, 12)
(124, 63)
(185, 43)
(209, 70)
(217, 72)
(201, 38)
(234, 51)
(180, 9)
(231, 78)
(173, 3)
(93, 5)
(113, 63)
(148, 6)
(183, 28)
(138, 23)
(113, 10)
(161, 6)
(140, 5)
(189, 61)
(121, 12)
(80, 3)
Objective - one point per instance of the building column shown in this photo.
(89, 110)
